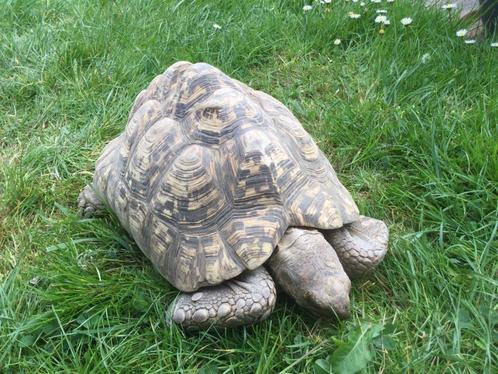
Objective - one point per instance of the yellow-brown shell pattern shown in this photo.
(209, 174)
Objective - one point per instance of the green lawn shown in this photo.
(413, 137)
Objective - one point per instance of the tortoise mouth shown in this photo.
(327, 306)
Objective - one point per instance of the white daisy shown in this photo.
(461, 33)
(327, 1)
(337, 41)
(449, 6)
(354, 1)
(307, 8)
(381, 11)
(216, 26)
(425, 58)
(389, 1)
(354, 15)
(406, 21)
(382, 19)
(470, 41)
(494, 44)
(362, 4)
(375, 1)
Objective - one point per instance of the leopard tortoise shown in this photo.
(220, 186)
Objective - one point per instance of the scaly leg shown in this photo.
(245, 300)
(361, 245)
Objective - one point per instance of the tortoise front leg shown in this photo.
(245, 300)
(360, 245)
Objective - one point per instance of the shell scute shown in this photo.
(188, 195)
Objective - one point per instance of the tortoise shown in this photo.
(227, 195)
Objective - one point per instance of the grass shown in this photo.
(414, 141)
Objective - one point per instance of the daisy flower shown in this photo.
(382, 19)
(470, 41)
(216, 26)
(362, 4)
(494, 44)
(337, 41)
(354, 15)
(307, 8)
(449, 6)
(381, 11)
(461, 33)
(389, 1)
(375, 1)
(406, 21)
(425, 58)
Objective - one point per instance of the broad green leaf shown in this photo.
(385, 342)
(354, 355)
(351, 357)
(373, 331)
(322, 366)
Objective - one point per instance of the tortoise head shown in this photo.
(327, 296)
(306, 266)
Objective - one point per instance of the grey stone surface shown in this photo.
(464, 6)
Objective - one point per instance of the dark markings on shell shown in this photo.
(209, 174)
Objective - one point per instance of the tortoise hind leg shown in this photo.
(360, 245)
(245, 300)
(89, 205)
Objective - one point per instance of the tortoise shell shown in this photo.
(209, 174)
